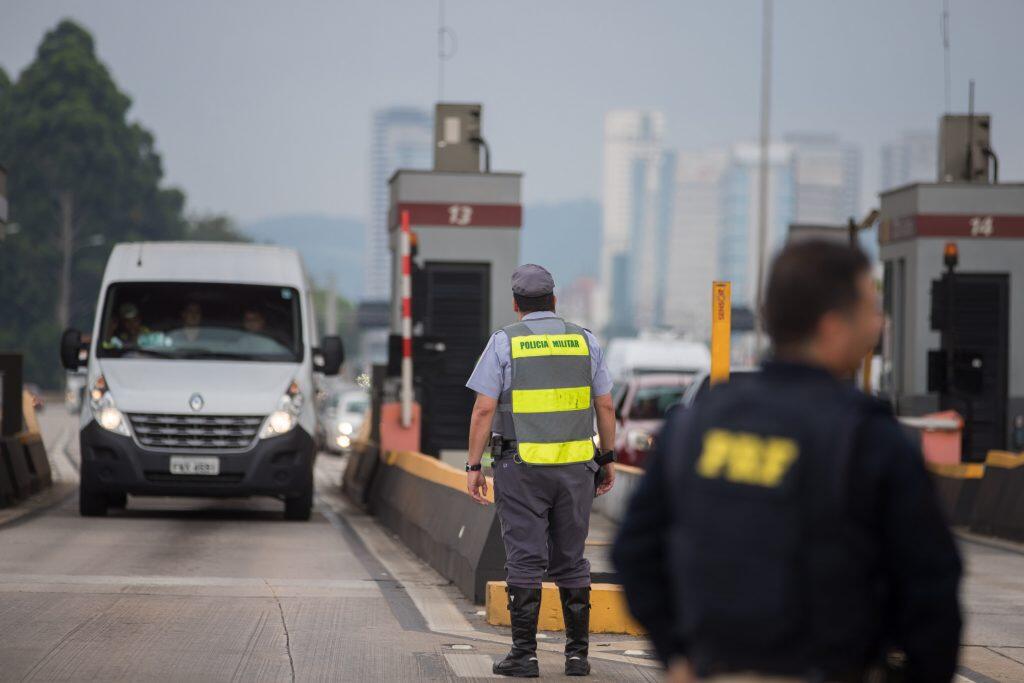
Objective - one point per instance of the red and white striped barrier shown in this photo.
(406, 322)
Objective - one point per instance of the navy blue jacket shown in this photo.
(874, 566)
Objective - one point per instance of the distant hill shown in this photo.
(328, 244)
(564, 237)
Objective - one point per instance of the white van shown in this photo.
(200, 376)
(655, 353)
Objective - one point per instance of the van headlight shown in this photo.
(284, 419)
(345, 428)
(104, 411)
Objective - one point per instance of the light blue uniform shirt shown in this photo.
(493, 372)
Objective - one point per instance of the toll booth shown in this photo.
(465, 223)
(953, 270)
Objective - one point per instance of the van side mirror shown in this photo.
(331, 355)
(71, 347)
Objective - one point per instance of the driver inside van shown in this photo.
(256, 338)
(189, 332)
(127, 329)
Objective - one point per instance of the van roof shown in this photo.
(205, 262)
(655, 354)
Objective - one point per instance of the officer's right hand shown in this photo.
(476, 485)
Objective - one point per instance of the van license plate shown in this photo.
(184, 464)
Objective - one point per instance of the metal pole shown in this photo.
(721, 330)
(440, 51)
(406, 322)
(66, 240)
(762, 195)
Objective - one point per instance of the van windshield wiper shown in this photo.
(147, 352)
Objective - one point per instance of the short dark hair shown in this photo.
(807, 280)
(532, 304)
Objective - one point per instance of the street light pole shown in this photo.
(65, 199)
(762, 194)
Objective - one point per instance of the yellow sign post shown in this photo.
(721, 330)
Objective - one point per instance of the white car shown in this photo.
(343, 417)
(199, 376)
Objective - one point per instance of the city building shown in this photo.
(576, 300)
(827, 174)
(637, 210)
(911, 159)
(402, 137)
(692, 253)
(738, 242)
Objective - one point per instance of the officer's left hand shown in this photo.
(476, 485)
(608, 480)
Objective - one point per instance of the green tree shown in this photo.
(81, 177)
(345, 315)
(214, 228)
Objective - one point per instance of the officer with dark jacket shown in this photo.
(786, 526)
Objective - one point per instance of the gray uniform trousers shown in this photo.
(544, 512)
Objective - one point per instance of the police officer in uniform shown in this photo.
(539, 383)
(786, 528)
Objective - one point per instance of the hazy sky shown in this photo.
(263, 107)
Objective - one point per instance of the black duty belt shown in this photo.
(502, 448)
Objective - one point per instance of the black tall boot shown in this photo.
(524, 608)
(576, 613)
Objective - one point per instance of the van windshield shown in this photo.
(204, 320)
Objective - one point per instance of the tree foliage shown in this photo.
(64, 128)
(214, 228)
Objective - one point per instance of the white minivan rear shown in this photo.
(200, 376)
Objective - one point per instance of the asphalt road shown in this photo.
(215, 590)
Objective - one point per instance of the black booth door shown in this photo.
(457, 313)
(981, 328)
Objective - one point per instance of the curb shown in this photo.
(608, 611)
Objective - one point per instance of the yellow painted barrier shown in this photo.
(608, 611)
(1004, 459)
(431, 469)
(958, 470)
(721, 329)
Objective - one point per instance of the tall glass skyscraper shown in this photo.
(636, 198)
(737, 247)
(402, 137)
(827, 176)
(911, 159)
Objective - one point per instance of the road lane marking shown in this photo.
(204, 585)
(423, 584)
(470, 666)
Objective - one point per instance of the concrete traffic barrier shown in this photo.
(362, 464)
(999, 507)
(614, 503)
(35, 455)
(608, 611)
(957, 486)
(424, 502)
(16, 464)
(8, 494)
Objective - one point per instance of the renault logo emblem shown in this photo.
(195, 402)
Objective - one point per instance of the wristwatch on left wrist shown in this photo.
(604, 457)
(474, 468)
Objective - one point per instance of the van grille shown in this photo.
(195, 432)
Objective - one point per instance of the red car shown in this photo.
(640, 406)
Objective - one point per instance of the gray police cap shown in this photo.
(532, 280)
